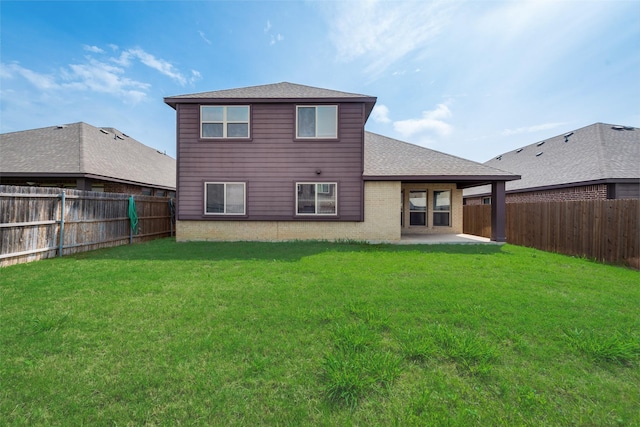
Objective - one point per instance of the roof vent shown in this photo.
(119, 137)
(61, 126)
(539, 154)
(617, 127)
(566, 136)
(519, 150)
(499, 158)
(629, 128)
(104, 131)
(124, 134)
(540, 143)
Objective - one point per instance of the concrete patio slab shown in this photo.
(435, 239)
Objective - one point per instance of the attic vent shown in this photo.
(519, 150)
(539, 154)
(124, 134)
(540, 143)
(119, 137)
(61, 126)
(104, 131)
(566, 136)
(618, 127)
(499, 158)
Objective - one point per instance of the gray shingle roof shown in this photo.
(593, 153)
(387, 157)
(282, 90)
(79, 148)
(276, 92)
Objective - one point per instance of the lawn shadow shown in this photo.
(169, 249)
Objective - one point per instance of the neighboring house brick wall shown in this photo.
(115, 187)
(585, 192)
(381, 222)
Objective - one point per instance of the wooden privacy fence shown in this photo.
(605, 230)
(33, 219)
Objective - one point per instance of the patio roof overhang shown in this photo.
(461, 181)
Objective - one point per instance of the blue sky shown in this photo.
(469, 78)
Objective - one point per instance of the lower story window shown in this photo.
(442, 208)
(316, 198)
(417, 207)
(224, 198)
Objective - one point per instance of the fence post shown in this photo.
(61, 242)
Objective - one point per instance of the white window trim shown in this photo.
(316, 130)
(244, 201)
(225, 122)
(316, 199)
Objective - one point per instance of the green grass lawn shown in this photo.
(315, 333)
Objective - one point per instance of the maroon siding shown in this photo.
(270, 163)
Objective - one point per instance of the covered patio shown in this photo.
(431, 189)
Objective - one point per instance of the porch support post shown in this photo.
(498, 212)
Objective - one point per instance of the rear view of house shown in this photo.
(287, 161)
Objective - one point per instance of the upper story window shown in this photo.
(320, 121)
(224, 121)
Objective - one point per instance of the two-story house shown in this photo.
(287, 161)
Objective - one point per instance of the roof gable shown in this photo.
(79, 148)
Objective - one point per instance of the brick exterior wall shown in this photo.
(456, 209)
(381, 223)
(585, 192)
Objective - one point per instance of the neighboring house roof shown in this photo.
(390, 159)
(598, 153)
(79, 149)
(277, 92)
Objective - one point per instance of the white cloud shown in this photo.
(195, 76)
(94, 49)
(380, 114)
(39, 80)
(531, 129)
(164, 67)
(384, 32)
(204, 37)
(275, 39)
(92, 76)
(100, 77)
(432, 120)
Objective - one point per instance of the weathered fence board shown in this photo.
(30, 221)
(605, 230)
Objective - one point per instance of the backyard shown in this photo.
(317, 333)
